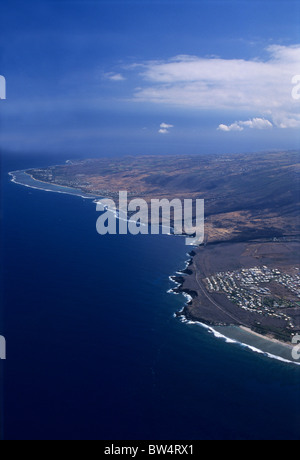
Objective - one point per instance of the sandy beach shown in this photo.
(267, 337)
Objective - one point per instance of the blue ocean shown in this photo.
(93, 348)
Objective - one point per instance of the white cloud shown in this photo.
(163, 131)
(255, 123)
(114, 76)
(164, 128)
(233, 127)
(253, 85)
(285, 120)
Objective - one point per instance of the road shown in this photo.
(205, 293)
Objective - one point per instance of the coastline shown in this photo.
(266, 337)
(48, 183)
(219, 330)
(66, 190)
(235, 335)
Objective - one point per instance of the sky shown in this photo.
(149, 77)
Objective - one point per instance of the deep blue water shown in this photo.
(93, 349)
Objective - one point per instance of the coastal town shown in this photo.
(268, 292)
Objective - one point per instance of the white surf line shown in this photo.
(217, 334)
(183, 319)
(242, 344)
(14, 180)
